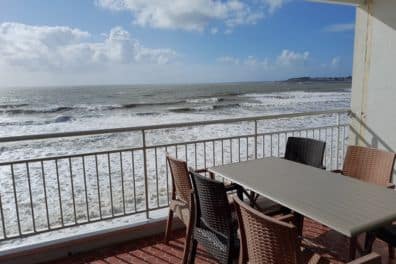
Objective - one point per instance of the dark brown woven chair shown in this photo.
(181, 203)
(386, 234)
(275, 241)
(306, 151)
(369, 164)
(214, 227)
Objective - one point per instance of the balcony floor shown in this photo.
(153, 250)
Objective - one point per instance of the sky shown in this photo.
(88, 42)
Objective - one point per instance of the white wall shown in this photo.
(374, 75)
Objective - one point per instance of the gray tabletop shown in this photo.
(342, 203)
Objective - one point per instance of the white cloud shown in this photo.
(340, 27)
(335, 62)
(273, 5)
(228, 60)
(251, 60)
(289, 58)
(214, 30)
(190, 15)
(53, 48)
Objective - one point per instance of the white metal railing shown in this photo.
(59, 191)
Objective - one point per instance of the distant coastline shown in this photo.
(319, 79)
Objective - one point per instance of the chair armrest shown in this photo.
(372, 258)
(390, 186)
(285, 218)
(200, 170)
(211, 175)
(232, 187)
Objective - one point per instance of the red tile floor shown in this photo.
(324, 241)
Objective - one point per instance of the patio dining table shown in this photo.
(344, 204)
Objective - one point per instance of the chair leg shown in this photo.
(391, 251)
(368, 243)
(187, 244)
(193, 251)
(168, 226)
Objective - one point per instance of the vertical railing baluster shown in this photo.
(343, 141)
(72, 189)
(16, 199)
(255, 139)
(167, 176)
(204, 154)
(85, 188)
(31, 197)
(2, 219)
(231, 151)
(59, 192)
(326, 149)
(247, 148)
(338, 139)
(195, 156)
(222, 152)
(145, 174)
(45, 194)
(98, 184)
(264, 146)
(110, 184)
(271, 153)
(239, 149)
(122, 183)
(185, 152)
(214, 154)
(133, 179)
(331, 147)
(156, 175)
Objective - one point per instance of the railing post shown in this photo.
(255, 139)
(338, 139)
(145, 173)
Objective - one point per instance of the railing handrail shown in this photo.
(166, 125)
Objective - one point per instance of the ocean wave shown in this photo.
(25, 109)
(202, 108)
(62, 119)
(133, 105)
(204, 100)
(6, 106)
(93, 107)
(147, 114)
(14, 111)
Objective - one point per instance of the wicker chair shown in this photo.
(369, 164)
(386, 234)
(306, 151)
(214, 227)
(275, 241)
(181, 203)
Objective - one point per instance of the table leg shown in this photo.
(352, 247)
(299, 222)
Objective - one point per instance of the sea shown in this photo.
(37, 110)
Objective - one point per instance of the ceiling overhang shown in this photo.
(342, 2)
